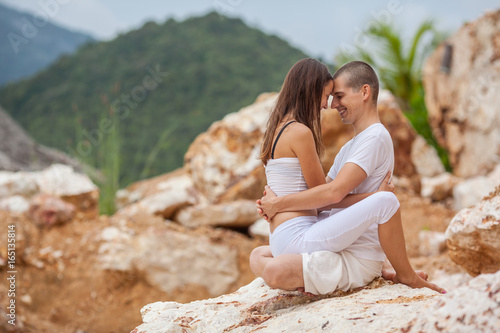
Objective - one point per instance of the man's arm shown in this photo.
(349, 177)
(351, 199)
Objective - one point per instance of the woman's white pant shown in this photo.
(305, 234)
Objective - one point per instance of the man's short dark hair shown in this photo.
(357, 74)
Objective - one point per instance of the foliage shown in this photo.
(399, 69)
(160, 86)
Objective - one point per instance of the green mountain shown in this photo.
(28, 43)
(146, 95)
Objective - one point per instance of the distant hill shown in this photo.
(18, 152)
(28, 44)
(161, 84)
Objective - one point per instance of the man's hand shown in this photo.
(387, 184)
(265, 206)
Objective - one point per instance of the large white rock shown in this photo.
(16, 204)
(227, 154)
(425, 158)
(462, 96)
(473, 307)
(17, 183)
(240, 213)
(381, 307)
(474, 236)
(260, 228)
(438, 187)
(58, 180)
(256, 307)
(432, 243)
(470, 191)
(169, 259)
(166, 199)
(61, 180)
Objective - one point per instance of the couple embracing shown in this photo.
(335, 232)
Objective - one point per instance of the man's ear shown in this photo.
(366, 90)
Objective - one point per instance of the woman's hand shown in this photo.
(265, 205)
(387, 185)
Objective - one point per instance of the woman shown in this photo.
(296, 123)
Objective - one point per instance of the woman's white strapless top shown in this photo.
(284, 176)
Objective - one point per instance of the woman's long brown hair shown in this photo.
(300, 97)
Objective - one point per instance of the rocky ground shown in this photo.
(61, 287)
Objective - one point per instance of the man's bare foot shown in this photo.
(301, 289)
(418, 282)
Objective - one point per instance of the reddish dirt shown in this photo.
(69, 294)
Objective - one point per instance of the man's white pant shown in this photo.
(325, 272)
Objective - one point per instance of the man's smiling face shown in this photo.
(346, 100)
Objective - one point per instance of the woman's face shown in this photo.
(327, 91)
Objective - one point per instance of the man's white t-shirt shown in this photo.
(373, 151)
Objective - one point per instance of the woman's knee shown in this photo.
(257, 257)
(260, 251)
(272, 274)
(386, 198)
(284, 272)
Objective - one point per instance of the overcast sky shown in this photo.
(319, 27)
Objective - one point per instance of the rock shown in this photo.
(474, 236)
(16, 204)
(19, 152)
(425, 158)
(76, 188)
(47, 210)
(164, 198)
(402, 133)
(144, 188)
(438, 187)
(226, 157)
(462, 96)
(432, 243)
(256, 307)
(473, 307)
(470, 191)
(240, 213)
(385, 307)
(172, 258)
(259, 228)
(58, 181)
(17, 184)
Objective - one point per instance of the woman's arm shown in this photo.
(304, 148)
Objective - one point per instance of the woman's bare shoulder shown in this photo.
(300, 130)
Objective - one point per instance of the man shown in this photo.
(360, 167)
